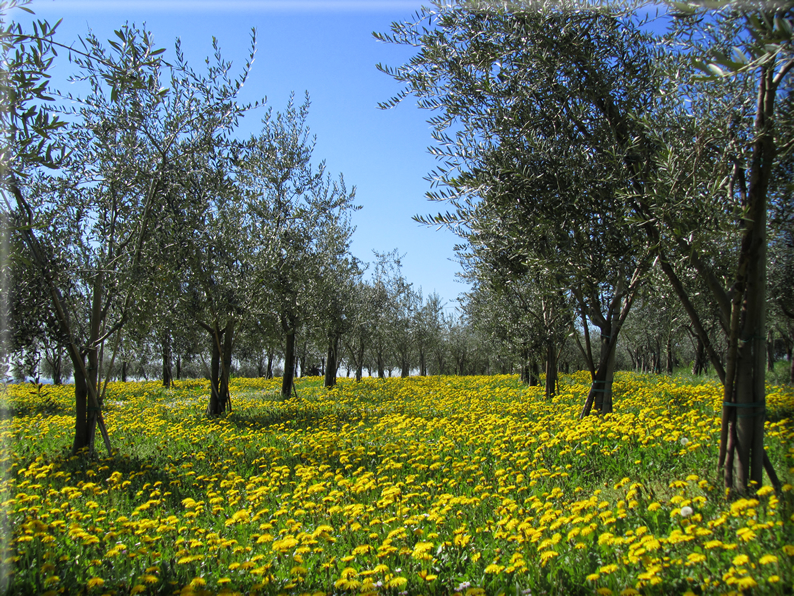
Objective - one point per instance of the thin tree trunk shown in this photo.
(57, 366)
(226, 366)
(770, 350)
(167, 355)
(744, 398)
(670, 357)
(81, 439)
(215, 405)
(331, 364)
(551, 371)
(288, 378)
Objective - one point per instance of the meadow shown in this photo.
(437, 485)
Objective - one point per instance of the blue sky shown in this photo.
(324, 47)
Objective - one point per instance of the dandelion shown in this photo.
(686, 511)
(95, 582)
(767, 559)
(397, 582)
(547, 555)
(684, 441)
(746, 534)
(745, 583)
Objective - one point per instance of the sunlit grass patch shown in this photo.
(434, 485)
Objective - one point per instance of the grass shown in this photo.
(440, 485)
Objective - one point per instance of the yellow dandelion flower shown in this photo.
(397, 582)
(740, 560)
(746, 534)
(137, 589)
(592, 577)
(629, 592)
(348, 572)
(773, 579)
(745, 583)
(767, 559)
(547, 555)
(654, 507)
(606, 538)
(696, 557)
(95, 582)
(494, 568)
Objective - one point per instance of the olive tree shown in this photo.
(87, 224)
(541, 99)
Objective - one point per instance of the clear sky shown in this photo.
(324, 47)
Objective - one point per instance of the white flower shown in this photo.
(686, 511)
(462, 586)
(684, 441)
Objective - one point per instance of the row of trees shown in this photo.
(590, 161)
(137, 212)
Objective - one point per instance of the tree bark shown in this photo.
(551, 371)
(332, 361)
(770, 350)
(81, 439)
(743, 410)
(288, 378)
(670, 357)
(381, 373)
(220, 364)
(167, 356)
(57, 366)
(214, 408)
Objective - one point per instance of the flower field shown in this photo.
(436, 485)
